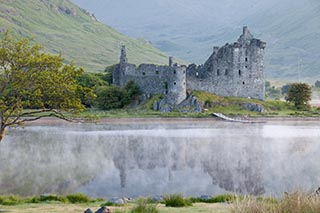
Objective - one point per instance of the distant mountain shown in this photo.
(189, 28)
(61, 26)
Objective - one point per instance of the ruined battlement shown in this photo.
(234, 69)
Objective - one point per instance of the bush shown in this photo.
(176, 200)
(217, 199)
(10, 200)
(47, 198)
(78, 198)
(110, 97)
(144, 207)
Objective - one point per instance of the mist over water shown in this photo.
(192, 158)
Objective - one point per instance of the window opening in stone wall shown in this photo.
(226, 72)
(197, 74)
(174, 72)
(175, 83)
(246, 66)
(243, 83)
(143, 73)
(157, 72)
(239, 72)
(165, 84)
(218, 72)
(246, 59)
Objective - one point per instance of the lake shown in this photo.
(133, 157)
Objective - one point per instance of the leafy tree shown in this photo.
(111, 97)
(317, 84)
(30, 78)
(89, 82)
(299, 94)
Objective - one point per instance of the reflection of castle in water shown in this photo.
(232, 70)
(121, 160)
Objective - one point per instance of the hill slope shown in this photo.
(61, 26)
(188, 29)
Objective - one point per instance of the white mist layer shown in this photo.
(152, 159)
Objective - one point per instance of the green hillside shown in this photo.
(61, 26)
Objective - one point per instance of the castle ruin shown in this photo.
(232, 70)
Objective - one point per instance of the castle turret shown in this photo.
(170, 61)
(123, 56)
(118, 75)
(177, 89)
(246, 35)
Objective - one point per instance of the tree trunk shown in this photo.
(2, 133)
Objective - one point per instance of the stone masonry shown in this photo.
(232, 70)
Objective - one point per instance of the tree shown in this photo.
(299, 94)
(317, 84)
(111, 97)
(34, 84)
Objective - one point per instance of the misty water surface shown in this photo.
(189, 157)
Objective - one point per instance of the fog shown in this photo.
(152, 159)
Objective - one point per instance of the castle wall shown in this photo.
(232, 70)
(151, 79)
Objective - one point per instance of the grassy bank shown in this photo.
(289, 202)
(231, 106)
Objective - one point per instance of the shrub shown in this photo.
(144, 207)
(10, 200)
(47, 198)
(78, 198)
(217, 199)
(176, 200)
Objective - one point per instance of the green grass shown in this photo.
(77, 36)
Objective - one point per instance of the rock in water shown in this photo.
(88, 211)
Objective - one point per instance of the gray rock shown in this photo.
(253, 107)
(116, 200)
(104, 209)
(88, 211)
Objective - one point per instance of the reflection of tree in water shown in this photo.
(237, 172)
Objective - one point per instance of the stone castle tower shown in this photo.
(232, 70)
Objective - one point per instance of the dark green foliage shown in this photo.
(176, 200)
(111, 97)
(91, 80)
(78, 198)
(299, 94)
(10, 200)
(70, 198)
(144, 207)
(132, 89)
(48, 198)
(217, 199)
(317, 84)
(108, 74)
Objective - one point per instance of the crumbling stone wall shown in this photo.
(152, 79)
(232, 70)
